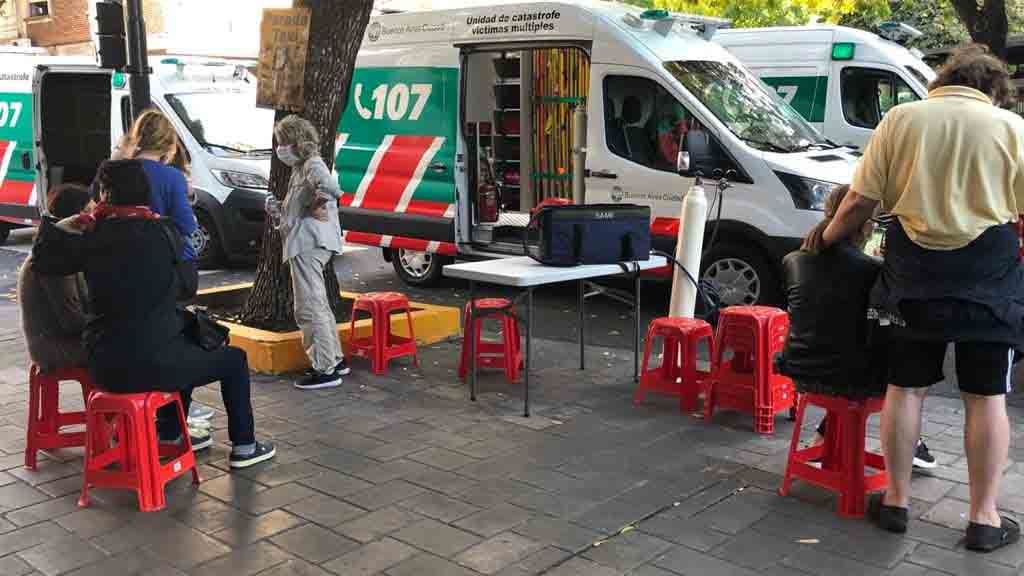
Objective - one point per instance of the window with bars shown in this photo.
(38, 8)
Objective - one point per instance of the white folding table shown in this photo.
(526, 274)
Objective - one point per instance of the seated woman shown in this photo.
(137, 341)
(53, 307)
(828, 294)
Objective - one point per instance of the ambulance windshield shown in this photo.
(745, 106)
(226, 123)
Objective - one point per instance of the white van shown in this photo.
(440, 121)
(842, 80)
(80, 112)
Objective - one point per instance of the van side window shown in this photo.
(643, 123)
(869, 93)
(126, 113)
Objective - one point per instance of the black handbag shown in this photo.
(202, 329)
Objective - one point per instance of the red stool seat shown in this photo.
(382, 345)
(748, 382)
(843, 456)
(677, 375)
(123, 449)
(506, 354)
(45, 419)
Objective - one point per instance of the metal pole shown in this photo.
(579, 154)
(583, 315)
(471, 324)
(138, 59)
(636, 327)
(529, 350)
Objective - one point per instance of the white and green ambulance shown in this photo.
(842, 80)
(450, 108)
(60, 117)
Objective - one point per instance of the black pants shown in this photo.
(188, 272)
(228, 365)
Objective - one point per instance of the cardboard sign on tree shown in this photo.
(284, 41)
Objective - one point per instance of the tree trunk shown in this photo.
(987, 23)
(335, 34)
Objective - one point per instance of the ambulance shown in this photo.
(841, 80)
(60, 118)
(462, 121)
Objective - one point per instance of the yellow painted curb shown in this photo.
(281, 352)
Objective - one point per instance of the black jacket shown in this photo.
(831, 342)
(129, 266)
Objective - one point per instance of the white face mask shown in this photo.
(287, 155)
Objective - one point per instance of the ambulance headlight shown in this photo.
(241, 179)
(807, 193)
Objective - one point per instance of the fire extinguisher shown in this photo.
(487, 201)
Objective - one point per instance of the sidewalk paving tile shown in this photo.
(314, 543)
(497, 552)
(247, 561)
(494, 520)
(428, 565)
(436, 538)
(379, 523)
(371, 558)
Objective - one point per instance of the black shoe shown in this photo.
(264, 451)
(200, 440)
(984, 538)
(317, 381)
(923, 459)
(342, 368)
(890, 518)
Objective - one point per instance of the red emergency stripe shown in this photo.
(16, 192)
(409, 243)
(364, 238)
(447, 248)
(427, 208)
(665, 227)
(395, 171)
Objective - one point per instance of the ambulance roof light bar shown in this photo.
(663, 22)
(898, 32)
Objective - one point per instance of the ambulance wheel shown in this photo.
(206, 242)
(418, 268)
(742, 275)
(5, 231)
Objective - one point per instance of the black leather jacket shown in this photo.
(830, 337)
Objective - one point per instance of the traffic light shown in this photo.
(110, 35)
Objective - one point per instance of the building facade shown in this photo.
(63, 27)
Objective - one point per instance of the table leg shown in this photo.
(471, 323)
(636, 328)
(583, 315)
(529, 351)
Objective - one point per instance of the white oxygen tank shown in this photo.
(689, 246)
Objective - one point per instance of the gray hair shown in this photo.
(296, 131)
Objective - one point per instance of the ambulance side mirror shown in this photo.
(683, 162)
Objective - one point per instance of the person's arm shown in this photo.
(59, 248)
(321, 180)
(853, 213)
(181, 209)
(62, 295)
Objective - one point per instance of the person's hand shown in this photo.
(272, 205)
(318, 209)
(76, 224)
(815, 240)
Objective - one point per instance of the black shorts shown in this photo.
(982, 368)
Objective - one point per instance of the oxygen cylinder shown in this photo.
(689, 245)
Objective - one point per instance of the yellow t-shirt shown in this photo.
(949, 167)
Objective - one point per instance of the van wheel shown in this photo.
(418, 268)
(742, 276)
(206, 242)
(5, 232)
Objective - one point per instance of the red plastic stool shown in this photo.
(383, 345)
(507, 354)
(843, 456)
(678, 374)
(123, 449)
(45, 419)
(748, 382)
